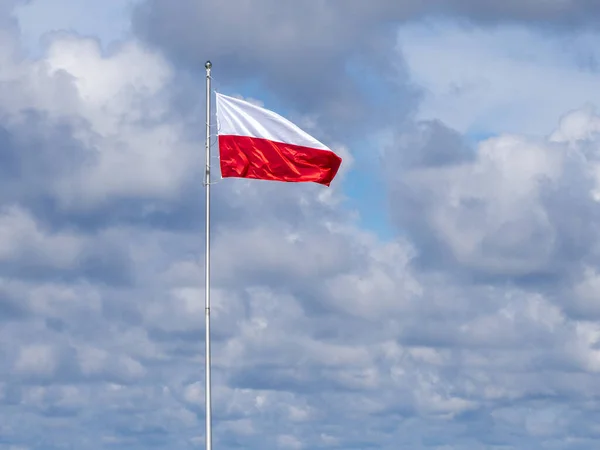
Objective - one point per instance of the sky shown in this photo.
(442, 293)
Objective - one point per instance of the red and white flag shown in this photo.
(257, 143)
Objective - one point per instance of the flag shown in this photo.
(257, 143)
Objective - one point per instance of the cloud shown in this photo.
(515, 207)
(486, 81)
(325, 57)
(312, 56)
(30, 252)
(75, 124)
(474, 327)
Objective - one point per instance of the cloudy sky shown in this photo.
(443, 293)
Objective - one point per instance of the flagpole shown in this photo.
(208, 405)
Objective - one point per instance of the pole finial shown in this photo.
(208, 65)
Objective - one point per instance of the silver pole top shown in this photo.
(208, 65)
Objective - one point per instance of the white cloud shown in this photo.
(109, 20)
(508, 79)
(499, 211)
(107, 99)
(319, 326)
(288, 441)
(19, 234)
(37, 360)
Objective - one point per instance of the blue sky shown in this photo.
(441, 294)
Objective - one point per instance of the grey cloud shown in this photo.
(32, 252)
(429, 144)
(12, 306)
(476, 357)
(567, 13)
(314, 55)
(458, 215)
(320, 327)
(107, 265)
(324, 56)
(37, 149)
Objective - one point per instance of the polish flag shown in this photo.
(257, 143)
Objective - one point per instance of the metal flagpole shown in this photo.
(208, 66)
